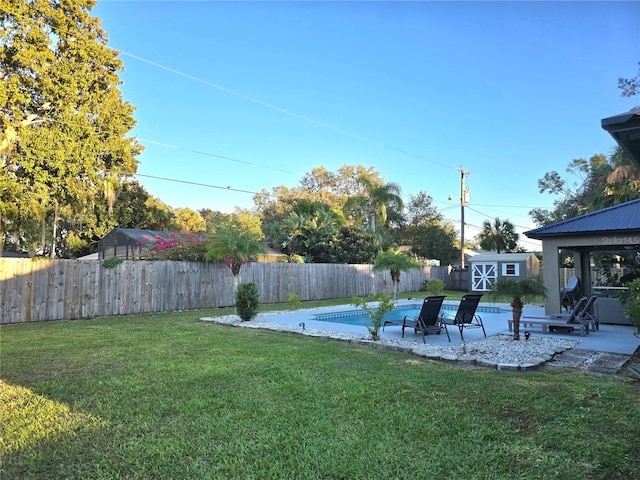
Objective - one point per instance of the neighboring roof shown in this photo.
(625, 129)
(502, 257)
(9, 254)
(143, 236)
(622, 218)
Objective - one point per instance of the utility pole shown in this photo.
(463, 199)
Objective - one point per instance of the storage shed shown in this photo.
(486, 268)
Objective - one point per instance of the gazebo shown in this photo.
(614, 230)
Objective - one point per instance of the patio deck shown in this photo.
(617, 339)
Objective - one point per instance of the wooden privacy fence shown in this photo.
(39, 290)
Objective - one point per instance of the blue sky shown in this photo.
(253, 95)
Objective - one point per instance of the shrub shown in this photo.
(293, 300)
(247, 300)
(112, 262)
(186, 247)
(631, 302)
(435, 286)
(385, 304)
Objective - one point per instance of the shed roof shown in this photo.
(502, 257)
(622, 218)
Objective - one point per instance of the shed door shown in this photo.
(483, 275)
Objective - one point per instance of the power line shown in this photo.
(282, 110)
(489, 216)
(228, 188)
(199, 152)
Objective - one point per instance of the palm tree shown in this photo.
(616, 182)
(395, 262)
(294, 226)
(235, 247)
(375, 200)
(499, 236)
(521, 291)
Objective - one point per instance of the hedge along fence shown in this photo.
(39, 290)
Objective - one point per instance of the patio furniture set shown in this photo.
(430, 320)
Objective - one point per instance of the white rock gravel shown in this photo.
(496, 351)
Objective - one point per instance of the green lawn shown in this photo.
(166, 396)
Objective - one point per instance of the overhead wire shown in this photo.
(276, 108)
(284, 110)
(208, 154)
(228, 188)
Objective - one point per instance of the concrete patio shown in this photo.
(605, 350)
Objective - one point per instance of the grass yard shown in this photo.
(164, 396)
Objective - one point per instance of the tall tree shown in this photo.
(373, 201)
(499, 236)
(64, 123)
(596, 183)
(436, 242)
(630, 86)
(420, 210)
(188, 221)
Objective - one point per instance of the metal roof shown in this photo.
(501, 257)
(625, 129)
(624, 217)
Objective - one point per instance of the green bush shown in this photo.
(385, 303)
(435, 286)
(247, 300)
(293, 300)
(112, 262)
(631, 302)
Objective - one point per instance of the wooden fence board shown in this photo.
(67, 289)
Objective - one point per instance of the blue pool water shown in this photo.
(360, 317)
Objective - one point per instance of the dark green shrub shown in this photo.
(112, 262)
(247, 300)
(435, 286)
(631, 302)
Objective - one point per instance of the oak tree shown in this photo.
(65, 127)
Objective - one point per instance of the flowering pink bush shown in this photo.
(179, 246)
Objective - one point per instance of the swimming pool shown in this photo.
(360, 317)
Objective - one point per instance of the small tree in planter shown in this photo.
(247, 300)
(376, 313)
(521, 291)
(395, 262)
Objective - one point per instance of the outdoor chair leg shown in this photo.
(444, 325)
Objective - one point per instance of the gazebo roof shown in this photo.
(502, 257)
(625, 129)
(622, 218)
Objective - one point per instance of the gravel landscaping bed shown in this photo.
(496, 351)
